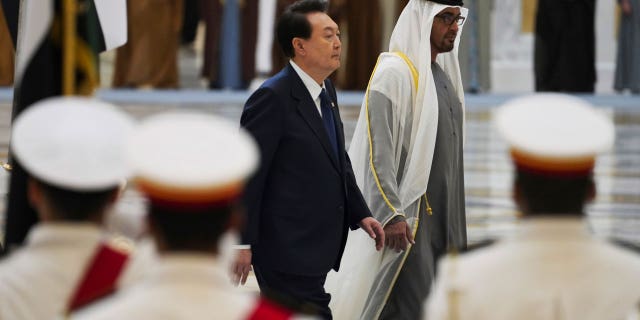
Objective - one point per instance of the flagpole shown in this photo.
(68, 52)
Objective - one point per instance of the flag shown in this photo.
(57, 54)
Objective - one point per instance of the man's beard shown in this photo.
(444, 47)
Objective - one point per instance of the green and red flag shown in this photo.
(56, 54)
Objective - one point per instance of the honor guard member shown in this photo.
(552, 268)
(73, 151)
(192, 169)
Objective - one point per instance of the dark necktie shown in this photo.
(329, 122)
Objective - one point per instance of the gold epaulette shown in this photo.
(121, 244)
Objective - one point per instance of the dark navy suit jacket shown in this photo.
(303, 199)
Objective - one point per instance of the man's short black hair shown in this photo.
(190, 231)
(293, 23)
(77, 206)
(553, 195)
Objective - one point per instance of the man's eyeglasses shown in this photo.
(449, 19)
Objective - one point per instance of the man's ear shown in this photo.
(298, 46)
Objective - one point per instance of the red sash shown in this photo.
(100, 277)
(267, 310)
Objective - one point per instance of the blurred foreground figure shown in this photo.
(73, 150)
(192, 169)
(552, 268)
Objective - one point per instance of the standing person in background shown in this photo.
(150, 57)
(211, 11)
(212, 15)
(362, 20)
(7, 52)
(304, 197)
(551, 268)
(264, 42)
(408, 161)
(628, 61)
(190, 21)
(565, 46)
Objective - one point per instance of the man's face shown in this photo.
(323, 47)
(443, 35)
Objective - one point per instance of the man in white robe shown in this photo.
(408, 161)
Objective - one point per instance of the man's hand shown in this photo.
(241, 267)
(398, 235)
(372, 227)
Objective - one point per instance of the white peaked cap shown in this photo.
(73, 143)
(191, 159)
(554, 133)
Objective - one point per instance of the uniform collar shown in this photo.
(552, 228)
(185, 266)
(63, 232)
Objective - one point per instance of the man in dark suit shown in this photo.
(304, 197)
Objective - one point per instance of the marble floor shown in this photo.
(615, 212)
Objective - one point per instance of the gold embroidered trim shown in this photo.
(414, 73)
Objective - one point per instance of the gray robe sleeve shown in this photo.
(382, 182)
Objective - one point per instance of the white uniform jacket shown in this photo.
(180, 286)
(37, 280)
(552, 269)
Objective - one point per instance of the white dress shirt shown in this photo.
(312, 86)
